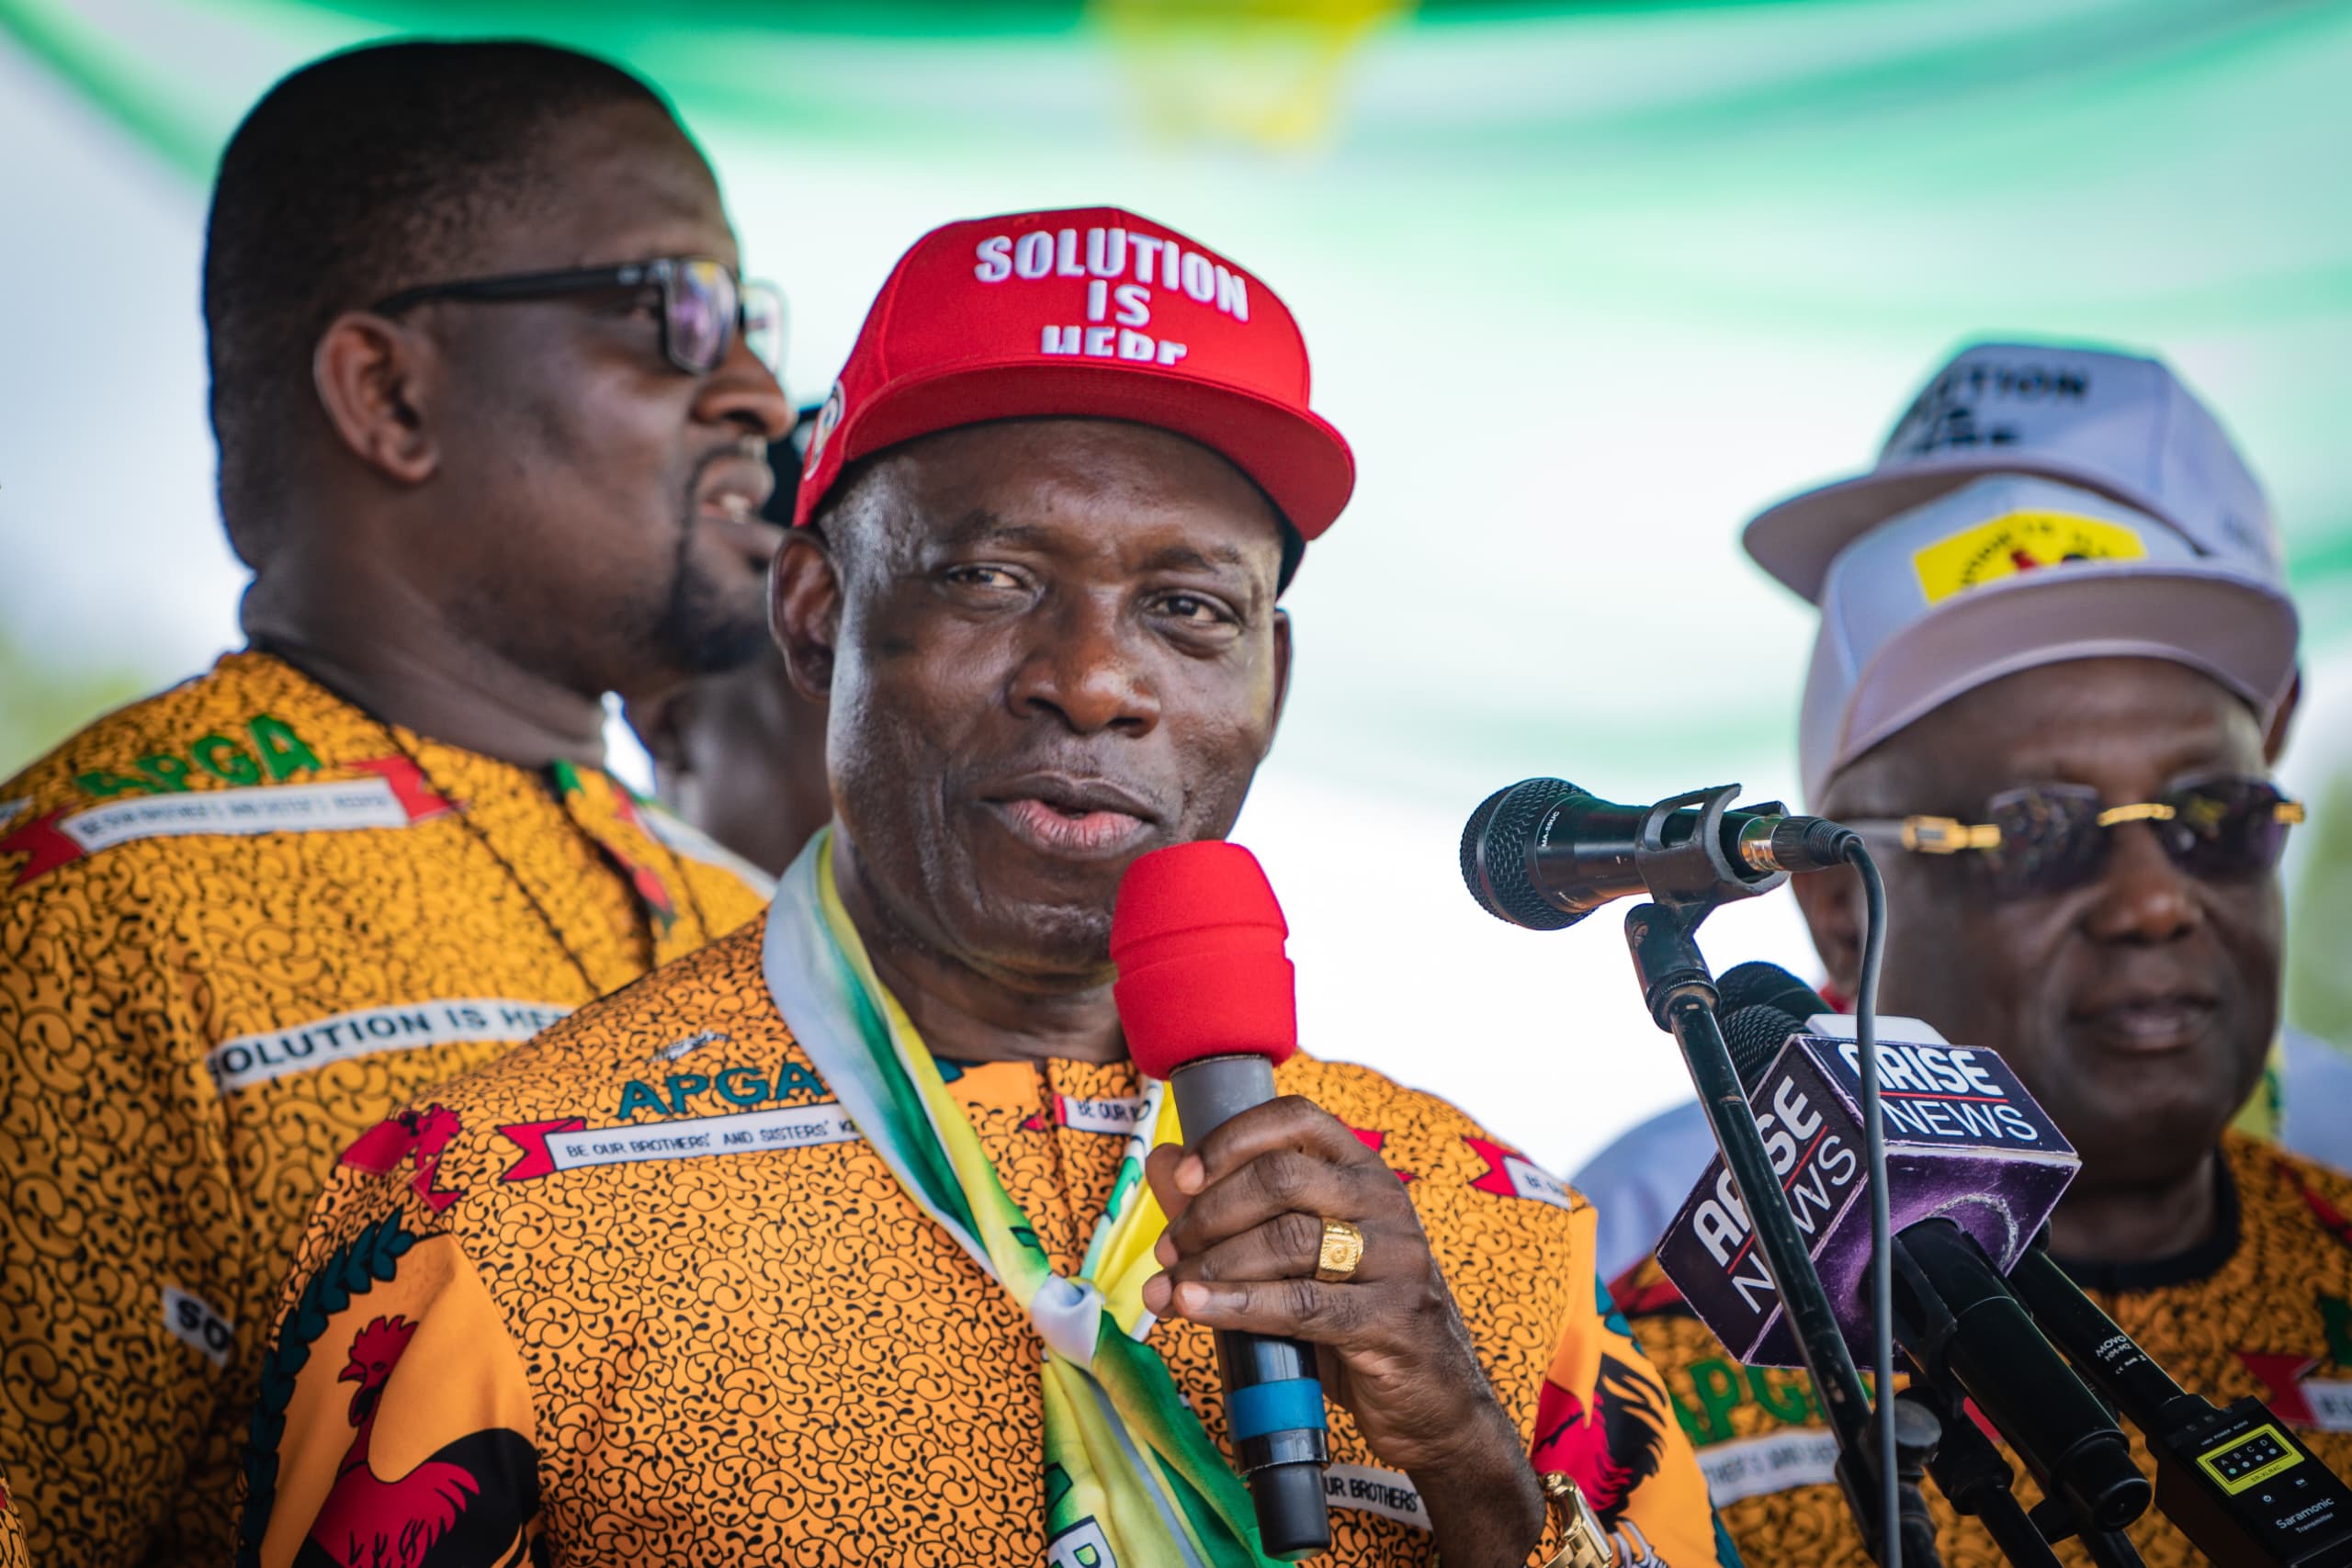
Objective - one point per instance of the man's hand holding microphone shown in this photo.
(1285, 1226)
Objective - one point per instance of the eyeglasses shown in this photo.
(702, 305)
(2045, 839)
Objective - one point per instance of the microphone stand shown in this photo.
(1976, 1480)
(1969, 1336)
(1686, 881)
(1974, 1477)
(1680, 994)
(2112, 1549)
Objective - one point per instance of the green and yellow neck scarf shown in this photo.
(1130, 1476)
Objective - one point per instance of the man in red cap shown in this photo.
(858, 1236)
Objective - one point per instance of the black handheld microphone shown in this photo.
(1543, 855)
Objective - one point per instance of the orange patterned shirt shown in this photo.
(239, 922)
(2262, 1309)
(12, 1531)
(638, 1294)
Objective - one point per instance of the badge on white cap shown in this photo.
(2017, 542)
(2010, 573)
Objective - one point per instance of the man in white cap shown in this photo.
(2123, 427)
(2045, 687)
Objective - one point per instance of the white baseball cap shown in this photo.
(2012, 571)
(2118, 425)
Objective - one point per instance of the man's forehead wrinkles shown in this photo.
(1882, 782)
(979, 525)
(656, 218)
(2161, 744)
(615, 247)
(1959, 766)
(626, 192)
(1193, 557)
(2155, 736)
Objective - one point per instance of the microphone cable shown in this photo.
(1881, 1214)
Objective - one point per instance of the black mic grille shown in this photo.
(1755, 1034)
(1493, 853)
(1746, 984)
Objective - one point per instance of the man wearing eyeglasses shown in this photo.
(492, 411)
(2054, 651)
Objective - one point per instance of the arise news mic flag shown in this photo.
(1964, 1143)
(1972, 1168)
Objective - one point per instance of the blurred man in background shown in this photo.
(741, 758)
(739, 755)
(2046, 688)
(491, 414)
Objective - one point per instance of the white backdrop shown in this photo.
(1561, 382)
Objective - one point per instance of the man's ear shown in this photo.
(1833, 904)
(375, 380)
(805, 611)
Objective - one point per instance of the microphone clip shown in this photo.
(1694, 873)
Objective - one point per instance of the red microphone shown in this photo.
(1206, 999)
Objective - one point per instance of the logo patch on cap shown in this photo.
(828, 419)
(2021, 541)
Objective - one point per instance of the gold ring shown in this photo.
(1343, 1250)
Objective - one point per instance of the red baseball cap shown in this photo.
(1092, 312)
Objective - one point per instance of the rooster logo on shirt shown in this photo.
(419, 1135)
(469, 1503)
(1610, 1448)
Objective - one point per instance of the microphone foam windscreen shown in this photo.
(1760, 983)
(1755, 1034)
(1198, 940)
